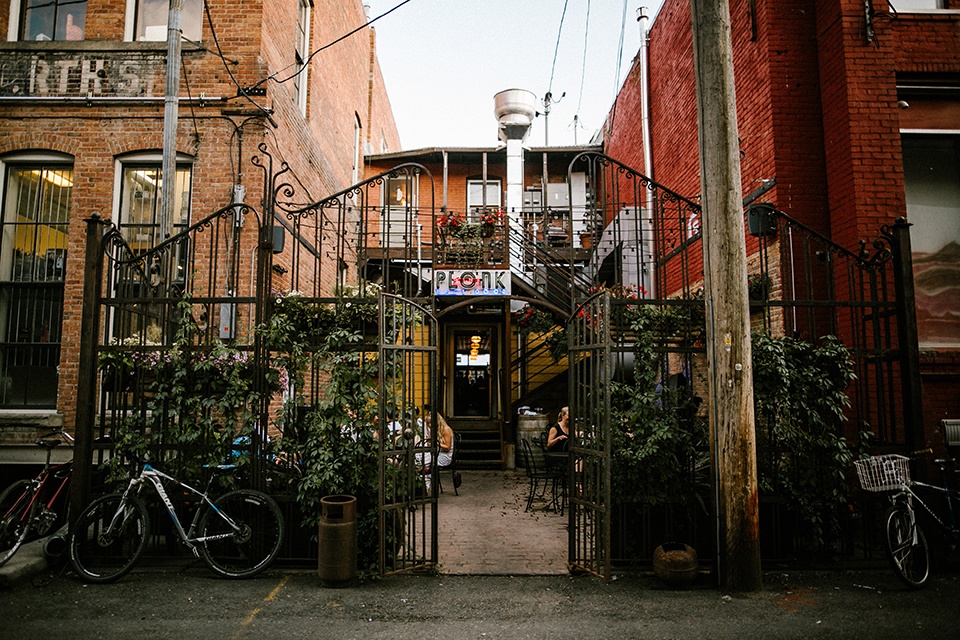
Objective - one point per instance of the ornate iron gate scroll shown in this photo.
(589, 474)
(408, 497)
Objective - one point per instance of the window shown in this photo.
(916, 5)
(53, 19)
(33, 255)
(476, 199)
(301, 55)
(399, 221)
(357, 149)
(140, 212)
(150, 19)
(931, 172)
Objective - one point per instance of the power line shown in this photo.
(553, 67)
(583, 68)
(240, 90)
(306, 62)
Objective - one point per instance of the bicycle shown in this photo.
(904, 539)
(240, 533)
(30, 508)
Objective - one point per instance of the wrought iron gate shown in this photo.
(589, 473)
(408, 388)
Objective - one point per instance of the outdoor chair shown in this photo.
(535, 475)
(455, 476)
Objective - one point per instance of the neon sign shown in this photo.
(471, 282)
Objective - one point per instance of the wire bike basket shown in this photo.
(883, 473)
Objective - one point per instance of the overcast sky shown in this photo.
(444, 60)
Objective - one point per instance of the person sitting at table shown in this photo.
(444, 435)
(558, 434)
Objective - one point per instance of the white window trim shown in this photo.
(13, 28)
(141, 157)
(304, 10)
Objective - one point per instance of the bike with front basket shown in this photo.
(30, 509)
(238, 534)
(905, 542)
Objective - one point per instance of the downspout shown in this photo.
(645, 103)
(645, 279)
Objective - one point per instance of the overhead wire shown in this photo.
(306, 63)
(583, 68)
(616, 80)
(556, 49)
(240, 90)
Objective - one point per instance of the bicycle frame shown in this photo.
(155, 478)
(41, 481)
(907, 491)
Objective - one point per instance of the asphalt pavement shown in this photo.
(487, 587)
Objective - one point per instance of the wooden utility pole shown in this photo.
(732, 428)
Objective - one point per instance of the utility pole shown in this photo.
(170, 116)
(732, 426)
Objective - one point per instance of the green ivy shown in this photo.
(800, 398)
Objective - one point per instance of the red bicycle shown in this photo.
(29, 509)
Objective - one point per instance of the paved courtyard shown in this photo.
(485, 531)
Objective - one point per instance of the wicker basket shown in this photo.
(883, 473)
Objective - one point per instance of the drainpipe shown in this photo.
(645, 102)
(647, 147)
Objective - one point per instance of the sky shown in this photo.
(444, 60)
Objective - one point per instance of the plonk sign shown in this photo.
(471, 282)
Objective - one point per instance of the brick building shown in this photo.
(82, 89)
(851, 110)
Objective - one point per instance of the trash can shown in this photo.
(337, 556)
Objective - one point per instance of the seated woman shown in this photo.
(444, 436)
(558, 435)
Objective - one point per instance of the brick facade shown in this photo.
(217, 130)
(817, 107)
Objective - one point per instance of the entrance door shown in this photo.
(473, 381)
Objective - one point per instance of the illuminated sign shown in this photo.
(471, 282)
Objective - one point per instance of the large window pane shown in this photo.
(931, 167)
(33, 255)
(53, 19)
(152, 20)
(140, 202)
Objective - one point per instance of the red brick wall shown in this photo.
(259, 36)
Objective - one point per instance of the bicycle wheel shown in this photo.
(243, 552)
(910, 560)
(14, 519)
(101, 554)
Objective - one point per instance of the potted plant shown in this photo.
(489, 220)
(758, 286)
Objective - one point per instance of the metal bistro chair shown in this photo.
(455, 476)
(534, 475)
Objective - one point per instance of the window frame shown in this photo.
(18, 21)
(132, 19)
(472, 207)
(40, 295)
(301, 79)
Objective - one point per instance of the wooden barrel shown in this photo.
(528, 428)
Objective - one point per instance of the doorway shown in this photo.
(473, 361)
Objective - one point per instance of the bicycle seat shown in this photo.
(49, 444)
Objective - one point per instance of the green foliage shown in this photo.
(799, 402)
(659, 442)
(199, 398)
(531, 319)
(339, 454)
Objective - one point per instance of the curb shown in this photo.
(26, 562)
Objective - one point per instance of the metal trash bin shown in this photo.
(337, 537)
